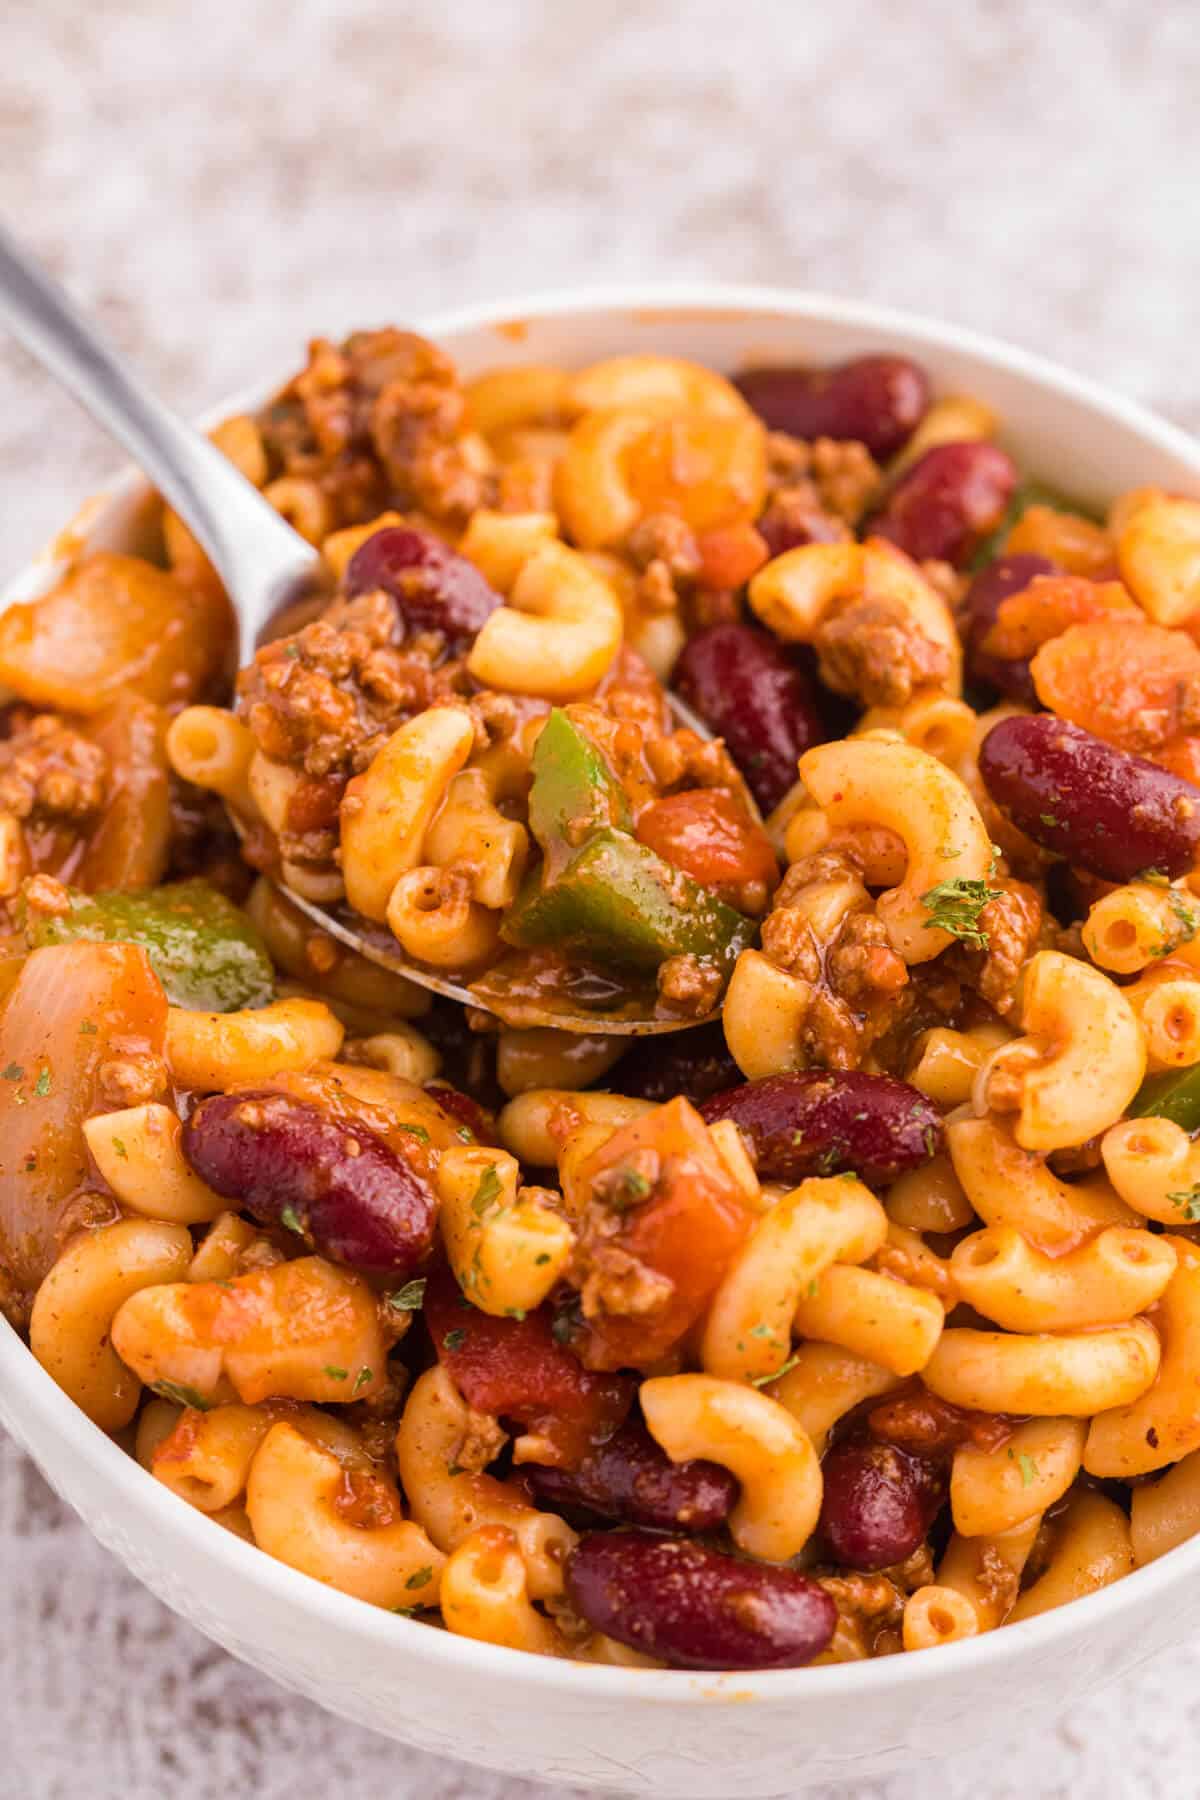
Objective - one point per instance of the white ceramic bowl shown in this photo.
(660, 1732)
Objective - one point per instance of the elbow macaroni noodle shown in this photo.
(403, 1292)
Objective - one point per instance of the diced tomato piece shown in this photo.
(1134, 684)
(1045, 609)
(516, 1369)
(679, 1220)
(707, 834)
(730, 555)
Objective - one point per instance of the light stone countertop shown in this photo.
(218, 182)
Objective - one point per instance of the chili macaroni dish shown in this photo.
(864, 1317)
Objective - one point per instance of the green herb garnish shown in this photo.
(955, 906)
(181, 1395)
(1188, 1202)
(454, 1340)
(488, 1191)
(417, 1131)
(762, 1380)
(408, 1298)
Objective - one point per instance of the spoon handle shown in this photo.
(257, 555)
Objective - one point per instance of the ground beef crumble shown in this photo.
(872, 649)
(329, 695)
(1013, 923)
(379, 421)
(842, 475)
(858, 987)
(48, 769)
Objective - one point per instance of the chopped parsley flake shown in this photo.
(420, 1577)
(1188, 1202)
(334, 1373)
(955, 906)
(762, 1380)
(291, 1218)
(466, 1134)
(89, 1028)
(811, 1289)
(119, 1146)
(1156, 877)
(488, 1191)
(514, 1312)
(43, 1084)
(1028, 1468)
(454, 1340)
(364, 1377)
(409, 1297)
(1189, 920)
(182, 1396)
(929, 1135)
(417, 1131)
(1048, 819)
(543, 1258)
(14, 1072)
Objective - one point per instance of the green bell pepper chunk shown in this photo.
(202, 947)
(615, 901)
(1025, 495)
(1174, 1095)
(574, 791)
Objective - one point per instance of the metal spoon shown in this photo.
(262, 562)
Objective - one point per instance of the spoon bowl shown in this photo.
(269, 571)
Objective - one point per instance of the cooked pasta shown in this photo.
(534, 1330)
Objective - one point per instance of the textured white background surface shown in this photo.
(218, 181)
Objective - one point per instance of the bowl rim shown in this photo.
(26, 1388)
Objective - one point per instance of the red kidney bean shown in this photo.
(1104, 810)
(918, 1421)
(288, 1163)
(879, 1502)
(633, 1480)
(695, 1607)
(820, 1121)
(693, 1063)
(1007, 575)
(874, 400)
(433, 587)
(949, 500)
(748, 690)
